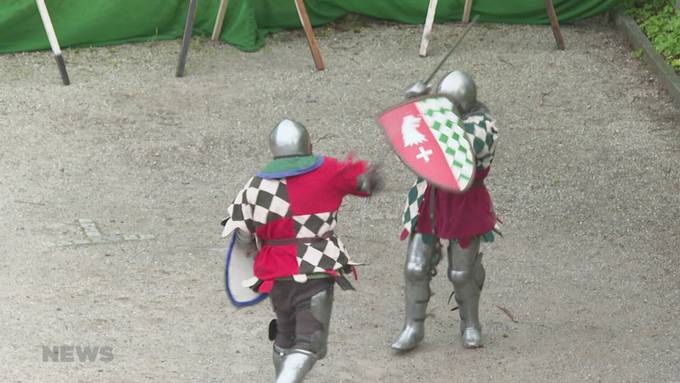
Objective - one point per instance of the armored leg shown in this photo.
(312, 322)
(417, 292)
(278, 353)
(295, 366)
(285, 335)
(467, 275)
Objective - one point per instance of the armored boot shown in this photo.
(292, 365)
(278, 355)
(417, 291)
(467, 275)
(295, 366)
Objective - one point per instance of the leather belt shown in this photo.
(292, 241)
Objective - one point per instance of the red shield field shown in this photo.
(428, 137)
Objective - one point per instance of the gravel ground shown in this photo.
(585, 179)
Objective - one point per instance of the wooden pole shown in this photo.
(467, 11)
(427, 28)
(52, 38)
(186, 39)
(554, 23)
(219, 20)
(307, 25)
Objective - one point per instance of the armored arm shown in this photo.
(371, 181)
(239, 224)
(244, 236)
(246, 241)
(417, 89)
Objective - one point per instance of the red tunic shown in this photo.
(319, 191)
(459, 216)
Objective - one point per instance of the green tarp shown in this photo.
(102, 22)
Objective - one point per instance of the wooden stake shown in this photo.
(554, 23)
(186, 39)
(427, 28)
(219, 20)
(467, 11)
(52, 38)
(307, 25)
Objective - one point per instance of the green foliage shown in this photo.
(661, 23)
(637, 54)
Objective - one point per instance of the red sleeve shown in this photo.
(348, 174)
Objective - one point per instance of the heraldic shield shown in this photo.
(238, 272)
(429, 138)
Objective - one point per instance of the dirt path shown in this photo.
(586, 179)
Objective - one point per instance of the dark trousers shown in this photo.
(296, 325)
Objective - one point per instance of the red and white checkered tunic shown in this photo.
(302, 206)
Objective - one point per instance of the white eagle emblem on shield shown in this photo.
(429, 138)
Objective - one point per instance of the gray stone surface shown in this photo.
(586, 180)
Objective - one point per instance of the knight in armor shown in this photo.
(464, 219)
(289, 210)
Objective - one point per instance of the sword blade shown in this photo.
(460, 40)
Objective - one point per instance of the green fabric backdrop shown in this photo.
(102, 22)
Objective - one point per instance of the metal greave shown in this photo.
(321, 306)
(417, 275)
(295, 366)
(292, 365)
(278, 353)
(467, 275)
